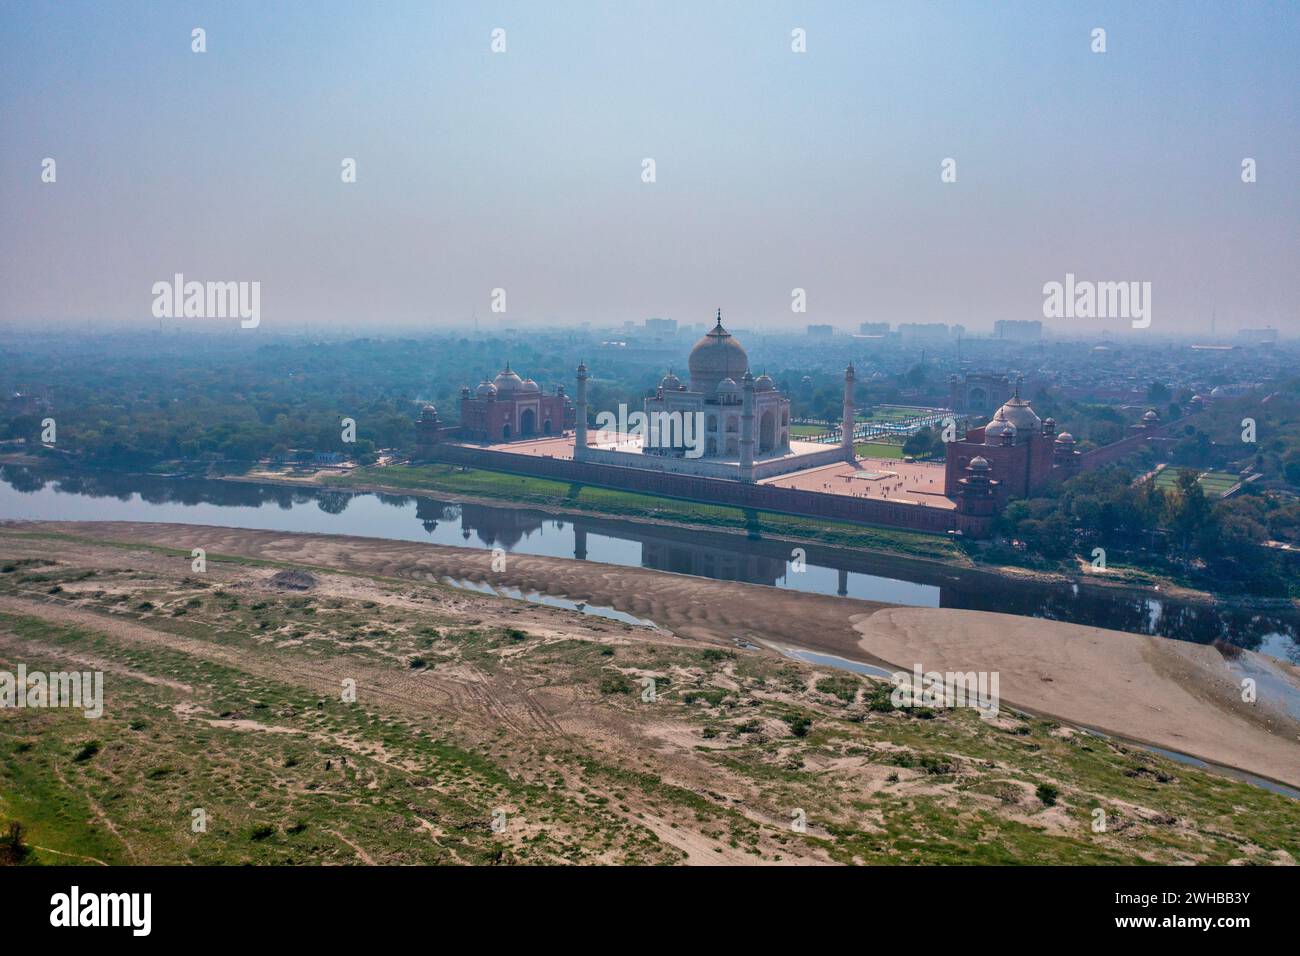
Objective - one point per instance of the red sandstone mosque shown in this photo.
(748, 457)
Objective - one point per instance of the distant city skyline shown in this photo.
(774, 170)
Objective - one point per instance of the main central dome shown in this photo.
(715, 357)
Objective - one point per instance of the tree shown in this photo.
(919, 444)
(1158, 392)
(1190, 513)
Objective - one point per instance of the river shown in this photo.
(30, 494)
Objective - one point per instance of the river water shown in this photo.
(29, 494)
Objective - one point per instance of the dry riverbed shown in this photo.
(223, 693)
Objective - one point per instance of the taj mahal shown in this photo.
(745, 420)
(739, 449)
(725, 392)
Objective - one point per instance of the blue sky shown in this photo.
(775, 170)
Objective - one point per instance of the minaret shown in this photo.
(747, 428)
(846, 440)
(580, 415)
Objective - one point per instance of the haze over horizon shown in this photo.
(775, 170)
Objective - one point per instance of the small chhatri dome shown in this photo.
(764, 383)
(670, 382)
(1151, 416)
(487, 390)
(529, 386)
(1065, 438)
(428, 413)
(994, 430)
(715, 357)
(979, 464)
(728, 386)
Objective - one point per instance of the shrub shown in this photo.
(615, 684)
(12, 848)
(800, 724)
(845, 688)
(88, 750)
(1048, 794)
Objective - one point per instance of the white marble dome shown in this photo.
(1018, 412)
(715, 357)
(507, 381)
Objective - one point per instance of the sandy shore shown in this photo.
(1176, 695)
(1173, 695)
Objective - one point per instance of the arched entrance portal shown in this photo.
(767, 432)
(528, 423)
(505, 432)
(546, 427)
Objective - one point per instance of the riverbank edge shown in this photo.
(1164, 588)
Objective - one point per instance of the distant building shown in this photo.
(661, 326)
(821, 331)
(873, 328)
(1018, 330)
(1258, 336)
(923, 332)
(978, 393)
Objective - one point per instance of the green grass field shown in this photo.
(803, 431)
(890, 414)
(875, 449)
(1215, 483)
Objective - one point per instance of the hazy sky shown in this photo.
(775, 170)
